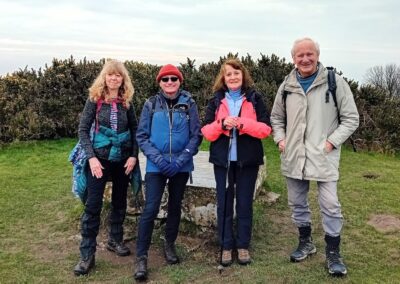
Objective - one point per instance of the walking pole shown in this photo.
(220, 266)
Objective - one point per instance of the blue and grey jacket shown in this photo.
(170, 133)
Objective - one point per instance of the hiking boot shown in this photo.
(334, 262)
(84, 265)
(170, 253)
(226, 259)
(304, 249)
(244, 256)
(118, 247)
(141, 268)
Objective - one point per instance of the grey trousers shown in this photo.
(332, 219)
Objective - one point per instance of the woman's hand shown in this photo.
(231, 122)
(130, 164)
(96, 167)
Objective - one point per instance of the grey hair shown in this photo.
(297, 41)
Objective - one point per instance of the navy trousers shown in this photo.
(241, 187)
(155, 185)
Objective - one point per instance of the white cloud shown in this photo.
(354, 35)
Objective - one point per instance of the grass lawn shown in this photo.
(39, 226)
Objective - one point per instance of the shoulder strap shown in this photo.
(284, 97)
(253, 100)
(152, 100)
(331, 85)
(217, 102)
(332, 89)
(285, 93)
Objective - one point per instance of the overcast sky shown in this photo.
(354, 35)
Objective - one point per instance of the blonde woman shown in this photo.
(112, 151)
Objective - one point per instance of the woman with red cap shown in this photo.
(169, 135)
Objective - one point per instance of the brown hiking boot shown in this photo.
(226, 259)
(243, 256)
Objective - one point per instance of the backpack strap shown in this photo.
(331, 85)
(332, 89)
(217, 103)
(284, 95)
(253, 100)
(152, 100)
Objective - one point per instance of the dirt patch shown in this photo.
(385, 223)
(370, 175)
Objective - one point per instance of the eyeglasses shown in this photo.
(166, 79)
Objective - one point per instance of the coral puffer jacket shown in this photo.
(254, 125)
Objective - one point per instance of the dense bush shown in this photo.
(46, 104)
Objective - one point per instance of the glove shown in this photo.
(163, 165)
(173, 169)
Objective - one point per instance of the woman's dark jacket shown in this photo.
(126, 121)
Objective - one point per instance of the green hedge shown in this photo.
(46, 104)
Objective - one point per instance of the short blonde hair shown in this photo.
(235, 63)
(297, 41)
(98, 90)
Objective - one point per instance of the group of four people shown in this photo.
(306, 127)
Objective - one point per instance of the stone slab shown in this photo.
(203, 174)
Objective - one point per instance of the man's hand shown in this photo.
(329, 146)
(282, 145)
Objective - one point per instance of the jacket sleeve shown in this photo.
(143, 135)
(195, 137)
(212, 128)
(278, 117)
(349, 117)
(260, 128)
(88, 116)
(133, 128)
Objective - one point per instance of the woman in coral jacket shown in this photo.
(236, 120)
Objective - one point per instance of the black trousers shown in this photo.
(90, 221)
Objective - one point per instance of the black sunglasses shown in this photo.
(166, 79)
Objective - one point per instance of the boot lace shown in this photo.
(243, 254)
(333, 257)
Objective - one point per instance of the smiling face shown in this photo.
(170, 85)
(113, 81)
(233, 78)
(306, 58)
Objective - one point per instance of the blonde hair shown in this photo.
(99, 90)
(235, 63)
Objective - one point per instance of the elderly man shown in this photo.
(309, 129)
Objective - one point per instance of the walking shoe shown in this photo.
(84, 265)
(141, 268)
(334, 262)
(244, 256)
(226, 259)
(118, 247)
(304, 249)
(170, 253)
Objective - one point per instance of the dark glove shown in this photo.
(163, 165)
(173, 169)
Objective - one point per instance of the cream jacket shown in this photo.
(310, 123)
